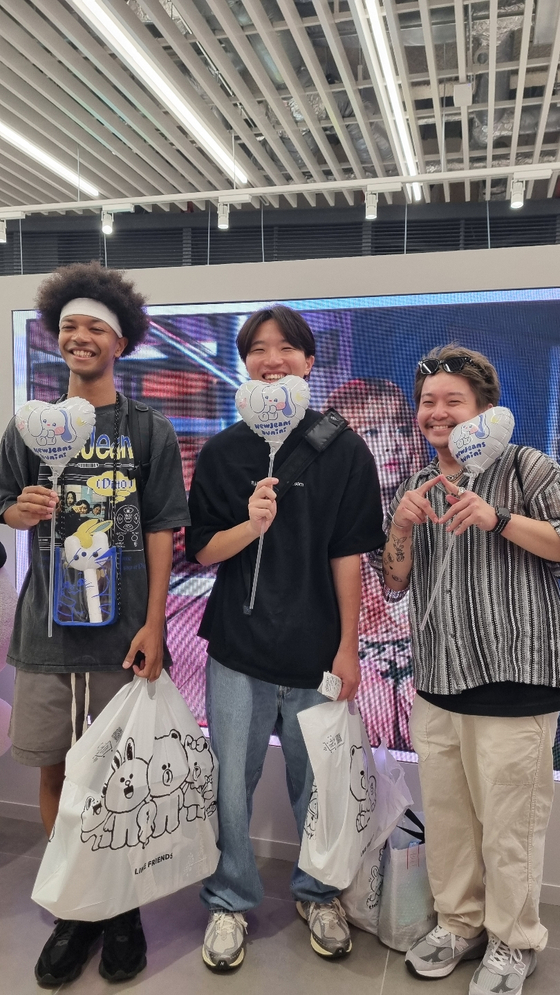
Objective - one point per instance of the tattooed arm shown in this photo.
(397, 559)
(413, 509)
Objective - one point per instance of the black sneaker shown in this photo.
(124, 947)
(66, 951)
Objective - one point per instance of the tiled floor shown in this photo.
(279, 957)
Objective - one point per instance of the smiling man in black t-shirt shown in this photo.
(96, 317)
(265, 667)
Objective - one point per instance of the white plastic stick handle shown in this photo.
(437, 584)
(249, 608)
(92, 595)
(51, 561)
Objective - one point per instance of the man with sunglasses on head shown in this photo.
(487, 674)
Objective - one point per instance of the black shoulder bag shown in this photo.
(315, 440)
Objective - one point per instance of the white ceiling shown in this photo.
(286, 85)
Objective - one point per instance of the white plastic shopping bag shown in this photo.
(407, 907)
(347, 815)
(136, 818)
(362, 899)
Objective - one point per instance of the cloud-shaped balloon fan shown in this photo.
(479, 442)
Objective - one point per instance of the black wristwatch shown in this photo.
(504, 517)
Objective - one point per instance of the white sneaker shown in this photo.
(437, 954)
(503, 969)
(224, 940)
(330, 936)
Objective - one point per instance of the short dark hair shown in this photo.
(87, 504)
(294, 328)
(106, 285)
(482, 376)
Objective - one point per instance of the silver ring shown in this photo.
(461, 491)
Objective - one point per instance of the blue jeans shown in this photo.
(242, 713)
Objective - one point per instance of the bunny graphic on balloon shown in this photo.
(56, 432)
(273, 403)
(45, 423)
(273, 410)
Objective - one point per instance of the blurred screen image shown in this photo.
(367, 350)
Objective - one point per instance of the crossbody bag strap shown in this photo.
(316, 439)
(140, 426)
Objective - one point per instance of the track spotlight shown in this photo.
(106, 222)
(223, 216)
(371, 205)
(3, 236)
(517, 194)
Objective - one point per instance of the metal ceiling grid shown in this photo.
(294, 92)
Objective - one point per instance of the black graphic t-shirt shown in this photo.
(86, 494)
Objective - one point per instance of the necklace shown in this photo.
(452, 477)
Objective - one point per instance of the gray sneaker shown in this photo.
(503, 969)
(330, 935)
(437, 954)
(224, 940)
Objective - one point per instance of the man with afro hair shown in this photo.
(93, 281)
(97, 317)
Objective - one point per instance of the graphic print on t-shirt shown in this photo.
(92, 531)
(86, 490)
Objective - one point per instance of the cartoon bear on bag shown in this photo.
(312, 817)
(199, 787)
(168, 770)
(93, 817)
(363, 789)
(125, 792)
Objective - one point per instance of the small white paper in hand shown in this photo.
(5, 713)
(56, 432)
(479, 442)
(273, 410)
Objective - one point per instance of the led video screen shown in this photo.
(367, 348)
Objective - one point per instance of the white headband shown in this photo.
(93, 309)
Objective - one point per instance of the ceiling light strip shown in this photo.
(29, 148)
(142, 65)
(373, 33)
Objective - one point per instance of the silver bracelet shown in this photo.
(402, 528)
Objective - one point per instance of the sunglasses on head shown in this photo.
(452, 365)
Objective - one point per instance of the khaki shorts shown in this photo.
(41, 723)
